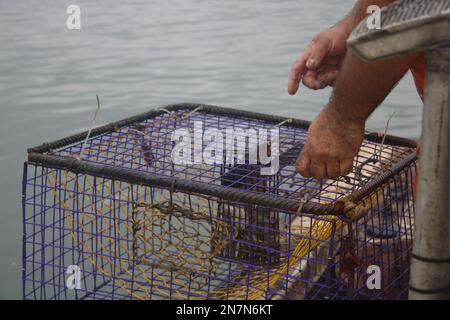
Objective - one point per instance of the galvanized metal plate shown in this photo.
(405, 26)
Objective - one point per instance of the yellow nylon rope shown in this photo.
(254, 285)
(252, 288)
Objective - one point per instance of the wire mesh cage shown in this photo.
(114, 206)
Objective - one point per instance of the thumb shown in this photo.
(319, 49)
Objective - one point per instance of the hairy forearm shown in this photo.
(362, 86)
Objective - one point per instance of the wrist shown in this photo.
(344, 27)
(345, 115)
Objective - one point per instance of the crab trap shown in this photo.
(140, 209)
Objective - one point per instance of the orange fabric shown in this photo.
(418, 72)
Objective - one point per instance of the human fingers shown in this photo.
(318, 169)
(310, 80)
(318, 48)
(312, 57)
(297, 71)
(332, 168)
(327, 74)
(333, 60)
(345, 166)
(303, 164)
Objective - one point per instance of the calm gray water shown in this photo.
(142, 54)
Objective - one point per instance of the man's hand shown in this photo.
(336, 134)
(332, 144)
(319, 63)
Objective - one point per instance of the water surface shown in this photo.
(142, 54)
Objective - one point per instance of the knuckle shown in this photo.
(323, 154)
(321, 39)
(333, 173)
(348, 169)
(318, 37)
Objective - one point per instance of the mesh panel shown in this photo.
(134, 241)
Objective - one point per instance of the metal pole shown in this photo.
(430, 265)
(412, 26)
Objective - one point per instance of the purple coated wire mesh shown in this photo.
(133, 241)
